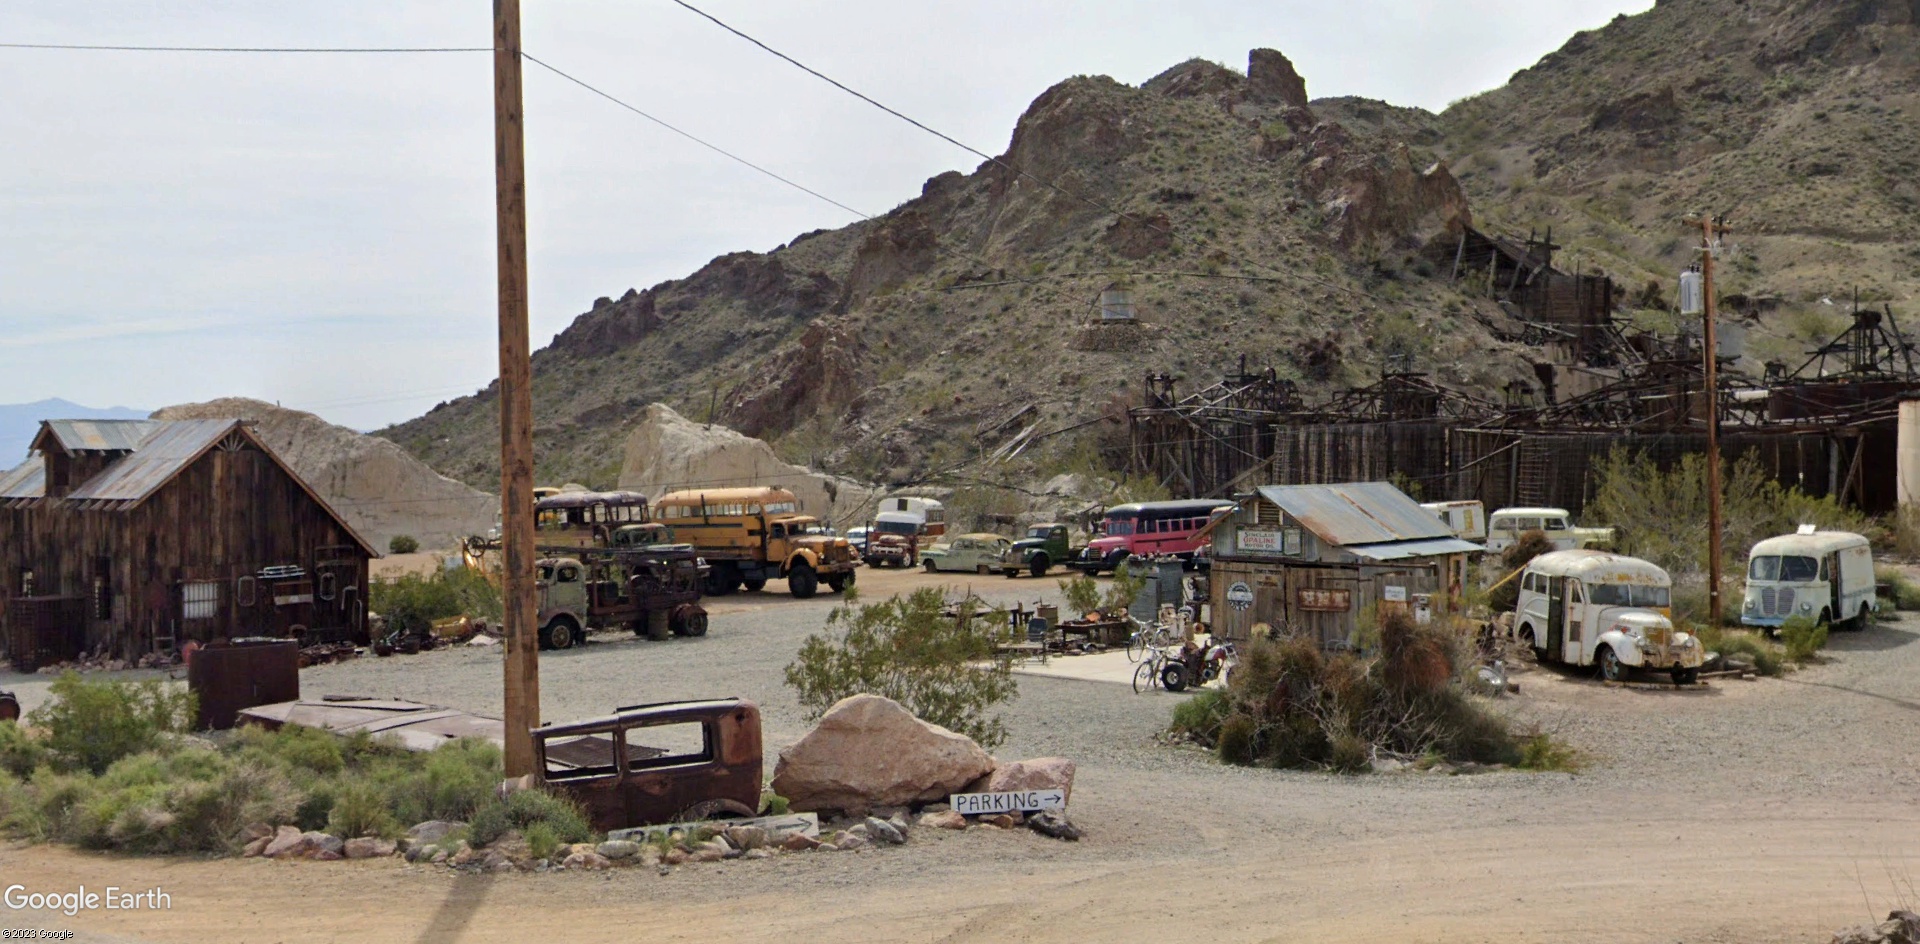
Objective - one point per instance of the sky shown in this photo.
(317, 230)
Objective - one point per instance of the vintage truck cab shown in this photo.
(1045, 545)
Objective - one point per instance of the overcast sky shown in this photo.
(318, 229)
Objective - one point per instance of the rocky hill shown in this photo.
(894, 348)
(1248, 220)
(373, 483)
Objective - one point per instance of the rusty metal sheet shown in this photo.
(417, 726)
(171, 447)
(1357, 513)
(1401, 550)
(26, 480)
(99, 435)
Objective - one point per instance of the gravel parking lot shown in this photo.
(1740, 811)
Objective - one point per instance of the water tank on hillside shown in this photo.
(1116, 304)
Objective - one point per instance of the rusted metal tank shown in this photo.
(227, 677)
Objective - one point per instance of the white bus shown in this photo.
(1587, 607)
(1825, 576)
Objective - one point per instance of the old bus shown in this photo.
(1146, 529)
(1825, 576)
(751, 535)
(1587, 607)
(585, 519)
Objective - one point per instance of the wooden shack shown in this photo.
(132, 536)
(1310, 559)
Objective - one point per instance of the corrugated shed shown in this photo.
(27, 480)
(1357, 513)
(167, 449)
(96, 435)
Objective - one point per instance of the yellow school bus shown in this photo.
(751, 535)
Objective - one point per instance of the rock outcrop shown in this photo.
(1272, 80)
(870, 752)
(666, 452)
(375, 485)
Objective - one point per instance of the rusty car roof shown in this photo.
(1357, 513)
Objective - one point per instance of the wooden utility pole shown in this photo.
(1711, 229)
(522, 701)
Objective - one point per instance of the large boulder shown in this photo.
(868, 751)
(666, 452)
(1042, 773)
(1272, 80)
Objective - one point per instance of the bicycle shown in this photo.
(1148, 676)
(1146, 636)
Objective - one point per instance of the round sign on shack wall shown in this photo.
(1239, 595)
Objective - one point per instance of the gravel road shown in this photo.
(1768, 810)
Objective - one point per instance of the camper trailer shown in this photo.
(1588, 607)
(1467, 518)
(1825, 576)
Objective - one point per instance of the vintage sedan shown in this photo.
(977, 553)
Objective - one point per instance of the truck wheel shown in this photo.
(756, 585)
(1611, 667)
(802, 582)
(559, 634)
(932, 569)
(1039, 566)
(837, 583)
(689, 620)
(1686, 676)
(1864, 620)
(722, 580)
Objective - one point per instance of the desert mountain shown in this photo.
(371, 482)
(1248, 220)
(1241, 222)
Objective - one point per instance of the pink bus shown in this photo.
(1148, 529)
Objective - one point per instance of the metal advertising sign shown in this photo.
(1239, 595)
(1323, 600)
(1258, 539)
(1393, 594)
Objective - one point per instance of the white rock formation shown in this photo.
(667, 452)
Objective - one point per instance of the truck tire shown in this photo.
(722, 579)
(837, 583)
(559, 634)
(930, 568)
(802, 582)
(755, 585)
(689, 620)
(1039, 565)
(1611, 668)
(1686, 676)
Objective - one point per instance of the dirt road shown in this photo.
(1771, 810)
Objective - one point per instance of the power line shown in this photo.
(251, 49)
(689, 136)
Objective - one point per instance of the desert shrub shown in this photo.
(1767, 658)
(89, 725)
(360, 809)
(941, 668)
(1517, 555)
(1905, 593)
(1121, 591)
(413, 601)
(20, 752)
(1803, 637)
(1082, 594)
(1539, 751)
(1287, 704)
(402, 544)
(1661, 515)
(296, 746)
(524, 809)
(542, 841)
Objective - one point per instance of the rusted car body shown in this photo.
(652, 764)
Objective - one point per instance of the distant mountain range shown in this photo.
(20, 421)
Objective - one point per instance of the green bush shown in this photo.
(1905, 592)
(1082, 594)
(402, 544)
(413, 601)
(524, 809)
(1287, 704)
(1539, 751)
(89, 725)
(19, 753)
(942, 668)
(1804, 638)
(360, 809)
(1767, 658)
(542, 842)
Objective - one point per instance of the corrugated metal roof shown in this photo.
(167, 449)
(1357, 513)
(1401, 550)
(26, 480)
(99, 435)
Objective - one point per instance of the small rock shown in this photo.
(257, 831)
(935, 808)
(582, 847)
(256, 847)
(827, 847)
(943, 819)
(327, 842)
(433, 830)
(887, 812)
(367, 847)
(675, 856)
(326, 855)
(756, 854)
(618, 849)
(289, 842)
(745, 838)
(439, 856)
(880, 830)
(850, 842)
(1042, 773)
(491, 860)
(1054, 824)
(465, 856)
(859, 829)
(591, 861)
(1388, 765)
(900, 822)
(999, 821)
(707, 853)
(800, 842)
(649, 855)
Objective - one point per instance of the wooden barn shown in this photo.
(134, 536)
(1311, 559)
